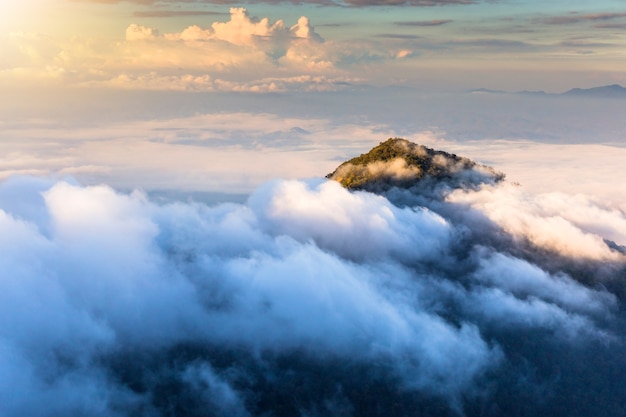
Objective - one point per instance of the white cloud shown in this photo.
(303, 268)
(244, 30)
(503, 310)
(589, 169)
(304, 30)
(404, 53)
(525, 280)
(136, 32)
(351, 225)
(241, 51)
(245, 149)
(116, 272)
(193, 33)
(541, 222)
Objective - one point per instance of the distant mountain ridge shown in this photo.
(607, 91)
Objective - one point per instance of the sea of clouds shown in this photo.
(309, 300)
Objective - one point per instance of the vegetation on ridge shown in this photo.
(398, 162)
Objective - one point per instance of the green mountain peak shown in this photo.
(398, 162)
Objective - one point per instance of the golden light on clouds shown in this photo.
(114, 44)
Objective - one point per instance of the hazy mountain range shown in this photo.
(607, 91)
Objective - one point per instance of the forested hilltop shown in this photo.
(398, 162)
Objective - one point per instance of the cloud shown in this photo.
(424, 23)
(174, 13)
(205, 83)
(405, 53)
(493, 44)
(241, 29)
(112, 303)
(191, 59)
(397, 36)
(503, 310)
(304, 30)
(369, 227)
(248, 147)
(595, 183)
(577, 43)
(136, 32)
(581, 18)
(525, 280)
(540, 221)
(272, 47)
(610, 26)
(243, 49)
(245, 148)
(194, 33)
(224, 290)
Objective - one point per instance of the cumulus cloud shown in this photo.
(541, 221)
(175, 266)
(304, 30)
(149, 59)
(113, 304)
(136, 32)
(242, 29)
(368, 226)
(194, 33)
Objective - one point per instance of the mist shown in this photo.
(173, 143)
(310, 300)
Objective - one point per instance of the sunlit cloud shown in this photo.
(245, 52)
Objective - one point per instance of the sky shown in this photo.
(169, 245)
(225, 46)
(218, 97)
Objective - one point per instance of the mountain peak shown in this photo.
(607, 91)
(400, 163)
